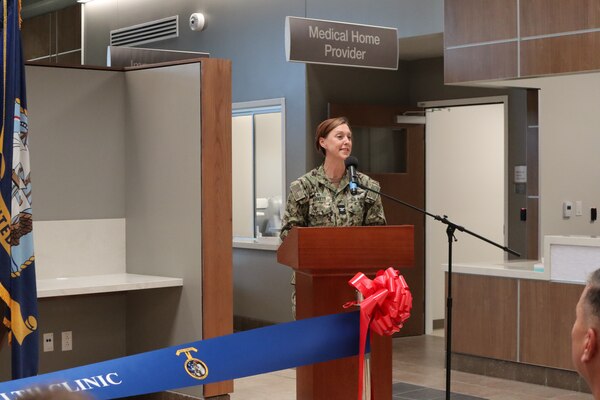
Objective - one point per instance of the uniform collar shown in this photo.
(322, 178)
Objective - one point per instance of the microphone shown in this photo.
(351, 164)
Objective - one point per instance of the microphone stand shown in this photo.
(451, 228)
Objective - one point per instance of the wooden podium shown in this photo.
(324, 260)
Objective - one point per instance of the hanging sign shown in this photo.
(337, 43)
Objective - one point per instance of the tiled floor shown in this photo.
(418, 361)
(407, 391)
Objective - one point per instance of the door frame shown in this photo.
(429, 320)
(371, 115)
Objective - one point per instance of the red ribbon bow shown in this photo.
(386, 305)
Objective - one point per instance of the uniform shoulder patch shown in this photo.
(298, 192)
(371, 197)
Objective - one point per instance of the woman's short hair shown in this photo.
(327, 126)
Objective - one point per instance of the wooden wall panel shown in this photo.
(534, 323)
(533, 202)
(543, 17)
(51, 34)
(484, 317)
(217, 254)
(546, 318)
(73, 58)
(532, 227)
(562, 54)
(37, 37)
(546, 37)
(68, 29)
(474, 21)
(498, 61)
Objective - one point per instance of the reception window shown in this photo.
(258, 168)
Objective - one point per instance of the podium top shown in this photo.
(333, 250)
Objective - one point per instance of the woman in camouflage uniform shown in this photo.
(322, 197)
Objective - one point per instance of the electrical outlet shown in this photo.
(48, 339)
(67, 341)
(578, 208)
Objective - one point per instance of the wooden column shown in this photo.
(217, 253)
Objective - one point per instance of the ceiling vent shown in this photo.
(147, 32)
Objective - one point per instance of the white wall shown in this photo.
(77, 158)
(163, 205)
(78, 137)
(242, 177)
(269, 173)
(569, 141)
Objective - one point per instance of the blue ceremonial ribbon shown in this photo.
(258, 351)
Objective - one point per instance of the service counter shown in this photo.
(513, 320)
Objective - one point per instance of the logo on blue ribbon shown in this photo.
(196, 368)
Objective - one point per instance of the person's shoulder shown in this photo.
(372, 195)
(367, 180)
(310, 178)
(302, 187)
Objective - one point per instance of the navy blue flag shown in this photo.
(17, 268)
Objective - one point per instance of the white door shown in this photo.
(465, 180)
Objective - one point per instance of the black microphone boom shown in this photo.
(451, 227)
(351, 165)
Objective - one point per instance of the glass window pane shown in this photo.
(380, 150)
(269, 172)
(242, 176)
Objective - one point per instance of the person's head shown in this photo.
(334, 138)
(584, 335)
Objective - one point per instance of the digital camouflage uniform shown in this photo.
(315, 201)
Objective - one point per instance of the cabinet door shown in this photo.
(484, 316)
(546, 318)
